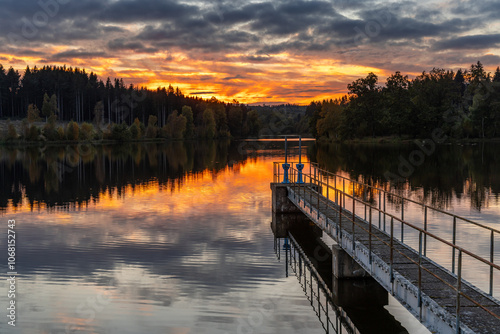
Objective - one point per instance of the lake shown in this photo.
(176, 238)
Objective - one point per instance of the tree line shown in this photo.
(462, 104)
(72, 94)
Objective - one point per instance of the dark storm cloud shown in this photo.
(146, 10)
(258, 58)
(475, 42)
(347, 29)
(203, 93)
(236, 77)
(79, 53)
(122, 44)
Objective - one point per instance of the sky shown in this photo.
(251, 51)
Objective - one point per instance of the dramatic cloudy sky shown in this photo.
(253, 51)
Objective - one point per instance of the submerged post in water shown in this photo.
(300, 166)
(286, 165)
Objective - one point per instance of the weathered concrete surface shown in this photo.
(283, 222)
(344, 266)
(353, 293)
(281, 203)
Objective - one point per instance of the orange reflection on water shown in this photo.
(227, 189)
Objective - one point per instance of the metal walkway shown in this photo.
(441, 299)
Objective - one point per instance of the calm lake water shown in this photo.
(176, 238)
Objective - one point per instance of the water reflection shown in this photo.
(341, 305)
(453, 176)
(148, 239)
(76, 175)
(170, 238)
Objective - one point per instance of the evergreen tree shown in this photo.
(496, 77)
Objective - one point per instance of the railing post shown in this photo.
(420, 273)
(274, 172)
(384, 209)
(353, 220)
(402, 231)
(340, 222)
(336, 192)
(402, 208)
(370, 236)
(425, 229)
(279, 174)
(315, 173)
(379, 209)
(318, 190)
(327, 188)
(492, 252)
(454, 242)
(459, 287)
(392, 248)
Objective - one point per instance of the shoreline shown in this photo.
(398, 140)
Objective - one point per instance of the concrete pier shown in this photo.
(344, 266)
(281, 203)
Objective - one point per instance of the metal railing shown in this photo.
(331, 188)
(331, 317)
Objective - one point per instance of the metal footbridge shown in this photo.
(428, 263)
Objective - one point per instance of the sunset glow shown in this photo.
(249, 51)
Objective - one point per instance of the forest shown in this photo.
(464, 104)
(71, 94)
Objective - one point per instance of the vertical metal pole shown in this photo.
(402, 208)
(384, 210)
(286, 166)
(310, 194)
(459, 287)
(286, 150)
(420, 273)
(425, 229)
(492, 252)
(279, 172)
(340, 222)
(392, 248)
(327, 318)
(327, 188)
(353, 220)
(319, 186)
(336, 192)
(315, 172)
(370, 236)
(311, 281)
(402, 232)
(319, 302)
(300, 149)
(300, 268)
(454, 242)
(286, 258)
(379, 209)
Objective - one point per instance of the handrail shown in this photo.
(339, 312)
(340, 196)
(315, 165)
